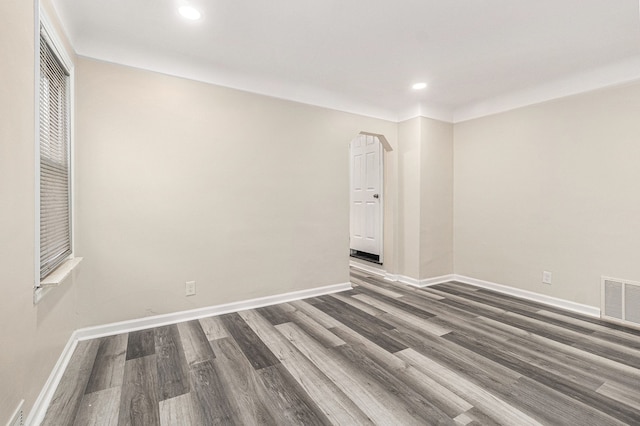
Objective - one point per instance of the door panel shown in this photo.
(366, 195)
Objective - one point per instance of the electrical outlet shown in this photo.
(190, 288)
(546, 277)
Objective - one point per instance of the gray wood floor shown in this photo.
(378, 354)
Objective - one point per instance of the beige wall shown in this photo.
(248, 195)
(391, 213)
(179, 180)
(551, 187)
(31, 337)
(409, 198)
(425, 193)
(436, 198)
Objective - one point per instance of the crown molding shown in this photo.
(607, 76)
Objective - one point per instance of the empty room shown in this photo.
(319, 212)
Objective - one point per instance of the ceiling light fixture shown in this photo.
(190, 13)
(419, 86)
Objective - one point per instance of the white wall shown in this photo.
(179, 180)
(551, 187)
(31, 337)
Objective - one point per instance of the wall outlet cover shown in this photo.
(190, 288)
(546, 277)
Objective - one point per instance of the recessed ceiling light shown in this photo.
(419, 86)
(190, 13)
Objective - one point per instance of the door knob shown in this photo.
(376, 196)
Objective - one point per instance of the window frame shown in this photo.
(44, 28)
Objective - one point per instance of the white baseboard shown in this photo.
(368, 268)
(579, 308)
(42, 402)
(408, 281)
(588, 310)
(175, 317)
(391, 277)
(424, 282)
(39, 409)
(401, 278)
(16, 418)
(44, 399)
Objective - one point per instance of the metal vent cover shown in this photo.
(621, 301)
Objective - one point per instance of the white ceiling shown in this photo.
(477, 56)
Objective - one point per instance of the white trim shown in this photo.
(175, 317)
(606, 76)
(37, 295)
(609, 75)
(61, 273)
(408, 281)
(13, 420)
(72, 154)
(391, 277)
(588, 310)
(568, 305)
(42, 402)
(401, 278)
(382, 195)
(44, 27)
(427, 110)
(54, 41)
(46, 394)
(246, 82)
(437, 280)
(375, 271)
(425, 282)
(39, 409)
(370, 269)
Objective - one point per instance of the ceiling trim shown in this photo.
(179, 64)
(611, 75)
(252, 84)
(423, 109)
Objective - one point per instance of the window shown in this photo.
(55, 156)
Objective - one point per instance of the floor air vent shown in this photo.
(621, 301)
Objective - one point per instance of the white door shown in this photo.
(366, 196)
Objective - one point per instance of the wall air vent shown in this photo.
(621, 301)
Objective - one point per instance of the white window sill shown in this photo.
(55, 278)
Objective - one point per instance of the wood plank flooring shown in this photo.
(382, 353)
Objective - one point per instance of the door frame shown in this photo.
(385, 146)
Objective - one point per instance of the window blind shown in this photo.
(55, 197)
